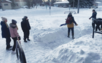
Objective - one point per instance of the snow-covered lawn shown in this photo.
(49, 42)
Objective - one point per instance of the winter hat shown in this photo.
(14, 21)
(4, 19)
(70, 13)
(93, 10)
(25, 17)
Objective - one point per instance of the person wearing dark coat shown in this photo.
(94, 14)
(70, 24)
(26, 28)
(6, 33)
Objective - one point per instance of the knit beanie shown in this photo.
(14, 21)
(70, 13)
(25, 17)
(4, 19)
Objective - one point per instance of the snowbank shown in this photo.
(82, 50)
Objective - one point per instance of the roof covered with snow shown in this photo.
(61, 2)
(7, 1)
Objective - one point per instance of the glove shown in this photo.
(89, 18)
(61, 25)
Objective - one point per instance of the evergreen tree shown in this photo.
(83, 3)
(38, 1)
(52, 2)
(28, 3)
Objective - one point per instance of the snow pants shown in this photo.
(72, 30)
(26, 35)
(14, 40)
(8, 40)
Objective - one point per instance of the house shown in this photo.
(61, 4)
(6, 5)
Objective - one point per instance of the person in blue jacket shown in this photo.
(94, 14)
(6, 33)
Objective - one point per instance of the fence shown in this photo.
(20, 53)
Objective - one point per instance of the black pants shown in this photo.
(14, 40)
(8, 40)
(26, 35)
(93, 25)
(72, 30)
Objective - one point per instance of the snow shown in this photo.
(8, 1)
(49, 42)
(61, 2)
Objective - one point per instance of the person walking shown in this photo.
(26, 28)
(6, 33)
(70, 24)
(14, 34)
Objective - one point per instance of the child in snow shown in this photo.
(70, 24)
(15, 36)
(6, 33)
(26, 28)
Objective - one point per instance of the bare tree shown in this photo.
(13, 4)
(29, 3)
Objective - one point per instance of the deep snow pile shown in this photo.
(49, 42)
(82, 50)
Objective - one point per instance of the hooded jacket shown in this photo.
(25, 24)
(13, 30)
(94, 14)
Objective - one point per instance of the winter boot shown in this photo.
(9, 48)
(25, 41)
(28, 39)
(73, 36)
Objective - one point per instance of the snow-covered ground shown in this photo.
(49, 42)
